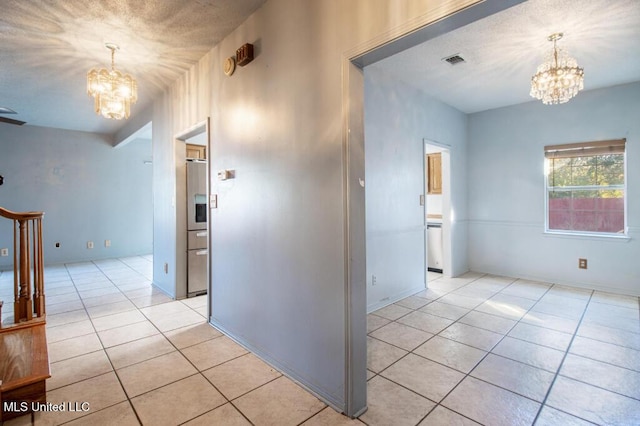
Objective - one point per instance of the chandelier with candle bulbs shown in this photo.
(112, 90)
(558, 78)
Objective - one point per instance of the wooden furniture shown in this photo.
(24, 368)
(434, 173)
(199, 152)
(24, 361)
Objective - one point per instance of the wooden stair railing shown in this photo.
(28, 265)
(24, 359)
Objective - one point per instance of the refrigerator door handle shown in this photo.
(201, 234)
(201, 252)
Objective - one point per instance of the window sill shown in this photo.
(588, 236)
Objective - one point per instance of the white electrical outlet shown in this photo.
(373, 280)
(4, 252)
(107, 243)
(89, 244)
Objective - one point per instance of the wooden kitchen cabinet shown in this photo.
(198, 152)
(434, 173)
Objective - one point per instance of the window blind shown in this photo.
(583, 149)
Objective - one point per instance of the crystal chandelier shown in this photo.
(558, 78)
(113, 91)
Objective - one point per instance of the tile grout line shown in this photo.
(488, 352)
(411, 351)
(468, 374)
(566, 351)
(201, 373)
(198, 372)
(104, 349)
(437, 403)
(106, 354)
(115, 371)
(70, 277)
(564, 357)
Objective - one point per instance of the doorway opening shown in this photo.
(407, 112)
(193, 221)
(140, 141)
(438, 207)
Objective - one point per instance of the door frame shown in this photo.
(446, 151)
(442, 19)
(181, 138)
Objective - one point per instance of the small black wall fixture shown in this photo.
(1, 179)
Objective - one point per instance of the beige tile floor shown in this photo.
(139, 357)
(490, 350)
(471, 350)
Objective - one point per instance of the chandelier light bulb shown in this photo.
(113, 91)
(558, 78)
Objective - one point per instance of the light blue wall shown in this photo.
(165, 223)
(397, 119)
(286, 243)
(506, 190)
(88, 190)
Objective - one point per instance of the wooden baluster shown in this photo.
(27, 300)
(24, 308)
(38, 269)
(16, 286)
(34, 246)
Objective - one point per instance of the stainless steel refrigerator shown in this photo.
(197, 238)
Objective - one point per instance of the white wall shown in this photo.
(506, 190)
(397, 118)
(88, 190)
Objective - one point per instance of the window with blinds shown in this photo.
(586, 187)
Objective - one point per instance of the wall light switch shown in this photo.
(107, 243)
(89, 244)
(213, 200)
(226, 174)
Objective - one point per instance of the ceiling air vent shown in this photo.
(454, 59)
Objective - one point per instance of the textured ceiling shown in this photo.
(503, 50)
(48, 46)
